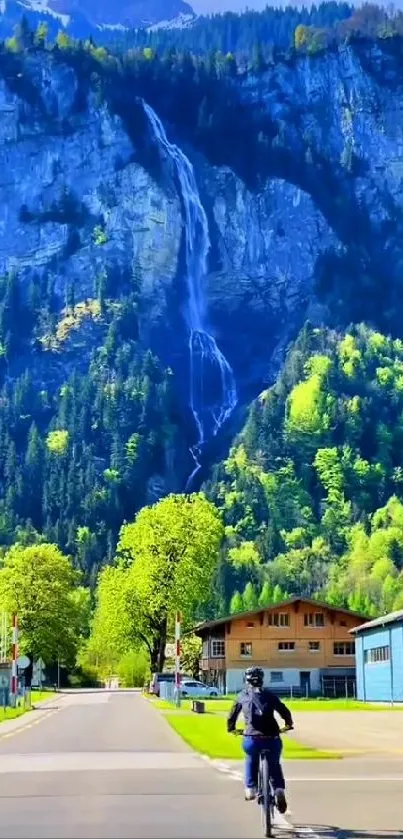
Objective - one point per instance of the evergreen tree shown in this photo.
(237, 604)
(249, 597)
(278, 595)
(266, 595)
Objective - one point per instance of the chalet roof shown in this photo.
(254, 612)
(392, 617)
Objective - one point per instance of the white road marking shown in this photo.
(281, 822)
(309, 779)
(96, 761)
(347, 780)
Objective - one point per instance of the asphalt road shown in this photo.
(107, 765)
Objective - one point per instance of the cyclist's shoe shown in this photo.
(281, 802)
(250, 793)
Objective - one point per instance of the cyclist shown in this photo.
(258, 705)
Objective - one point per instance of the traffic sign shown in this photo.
(23, 662)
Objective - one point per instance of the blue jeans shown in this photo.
(252, 747)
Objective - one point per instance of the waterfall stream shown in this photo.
(212, 390)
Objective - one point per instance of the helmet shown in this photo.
(254, 676)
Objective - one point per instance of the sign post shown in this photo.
(14, 676)
(23, 664)
(4, 685)
(177, 659)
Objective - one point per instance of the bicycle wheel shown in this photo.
(265, 796)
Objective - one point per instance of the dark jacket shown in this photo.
(258, 707)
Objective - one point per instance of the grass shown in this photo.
(223, 705)
(207, 734)
(42, 696)
(37, 697)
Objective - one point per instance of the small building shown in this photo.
(379, 659)
(304, 646)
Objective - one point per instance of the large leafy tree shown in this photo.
(39, 584)
(171, 552)
(112, 634)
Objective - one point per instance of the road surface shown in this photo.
(105, 764)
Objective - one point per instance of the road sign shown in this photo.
(23, 662)
(38, 672)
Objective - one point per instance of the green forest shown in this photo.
(75, 460)
(308, 499)
(311, 493)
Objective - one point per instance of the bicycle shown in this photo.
(265, 794)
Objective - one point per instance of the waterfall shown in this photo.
(212, 390)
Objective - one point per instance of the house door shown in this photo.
(305, 682)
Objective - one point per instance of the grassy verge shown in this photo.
(37, 697)
(222, 706)
(42, 696)
(206, 734)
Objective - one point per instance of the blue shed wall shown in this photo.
(381, 681)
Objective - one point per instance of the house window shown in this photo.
(344, 648)
(279, 619)
(245, 649)
(276, 676)
(286, 646)
(314, 646)
(343, 623)
(314, 619)
(377, 655)
(217, 649)
(250, 625)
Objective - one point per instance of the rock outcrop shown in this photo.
(76, 201)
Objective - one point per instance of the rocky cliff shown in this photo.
(318, 236)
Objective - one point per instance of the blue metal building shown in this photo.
(379, 659)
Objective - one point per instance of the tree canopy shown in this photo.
(166, 561)
(313, 488)
(39, 584)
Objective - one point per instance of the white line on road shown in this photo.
(97, 761)
(280, 821)
(347, 780)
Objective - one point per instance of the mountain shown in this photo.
(213, 7)
(90, 16)
(168, 227)
(311, 493)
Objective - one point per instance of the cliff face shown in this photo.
(76, 202)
